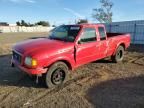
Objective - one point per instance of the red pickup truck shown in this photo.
(66, 48)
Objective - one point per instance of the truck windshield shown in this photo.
(66, 33)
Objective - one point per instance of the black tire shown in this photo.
(119, 55)
(56, 75)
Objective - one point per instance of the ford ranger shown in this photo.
(66, 48)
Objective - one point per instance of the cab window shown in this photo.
(89, 35)
(102, 33)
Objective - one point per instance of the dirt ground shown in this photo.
(100, 84)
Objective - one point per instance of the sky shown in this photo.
(66, 11)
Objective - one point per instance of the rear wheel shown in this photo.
(119, 55)
(56, 75)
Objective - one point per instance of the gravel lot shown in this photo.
(100, 84)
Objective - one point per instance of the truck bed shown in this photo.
(114, 39)
(114, 34)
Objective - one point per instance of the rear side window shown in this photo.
(102, 33)
(89, 35)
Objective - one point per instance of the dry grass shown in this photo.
(6, 38)
(9, 39)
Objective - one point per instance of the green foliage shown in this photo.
(104, 13)
(81, 21)
(18, 23)
(43, 23)
(23, 23)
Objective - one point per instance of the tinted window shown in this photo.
(102, 33)
(89, 35)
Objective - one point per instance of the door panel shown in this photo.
(87, 53)
(103, 41)
(86, 48)
(103, 48)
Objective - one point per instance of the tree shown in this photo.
(81, 21)
(18, 23)
(104, 13)
(23, 23)
(43, 23)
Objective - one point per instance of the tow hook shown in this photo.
(37, 78)
(12, 65)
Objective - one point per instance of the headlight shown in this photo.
(30, 61)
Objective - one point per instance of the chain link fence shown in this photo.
(135, 28)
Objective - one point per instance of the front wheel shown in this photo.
(56, 75)
(119, 55)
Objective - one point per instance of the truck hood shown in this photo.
(43, 45)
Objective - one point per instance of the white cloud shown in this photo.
(74, 13)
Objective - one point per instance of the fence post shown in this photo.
(110, 27)
(135, 25)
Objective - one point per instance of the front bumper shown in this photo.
(35, 71)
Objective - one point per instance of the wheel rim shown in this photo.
(120, 54)
(58, 76)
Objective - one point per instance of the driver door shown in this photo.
(87, 49)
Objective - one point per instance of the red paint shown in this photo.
(47, 51)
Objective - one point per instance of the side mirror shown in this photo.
(79, 42)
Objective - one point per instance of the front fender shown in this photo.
(68, 61)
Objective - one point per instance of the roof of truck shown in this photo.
(88, 24)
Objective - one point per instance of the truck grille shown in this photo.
(17, 57)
